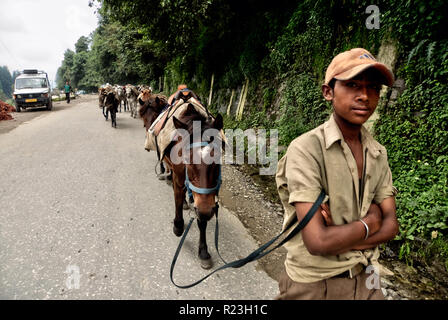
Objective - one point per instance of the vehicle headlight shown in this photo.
(19, 96)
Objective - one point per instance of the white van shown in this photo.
(32, 89)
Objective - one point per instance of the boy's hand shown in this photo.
(374, 218)
(326, 214)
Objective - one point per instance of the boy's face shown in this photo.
(356, 99)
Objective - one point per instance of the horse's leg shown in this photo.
(162, 167)
(179, 195)
(204, 256)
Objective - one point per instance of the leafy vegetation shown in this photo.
(6, 83)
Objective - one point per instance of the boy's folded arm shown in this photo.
(389, 227)
(324, 240)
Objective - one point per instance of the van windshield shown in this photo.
(26, 83)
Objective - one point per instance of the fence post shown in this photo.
(243, 101)
(211, 90)
(230, 103)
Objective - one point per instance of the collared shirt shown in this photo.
(321, 159)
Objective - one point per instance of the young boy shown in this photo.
(335, 255)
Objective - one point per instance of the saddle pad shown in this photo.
(157, 125)
(165, 134)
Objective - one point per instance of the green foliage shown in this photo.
(419, 163)
(64, 71)
(306, 39)
(3, 97)
(302, 108)
(82, 45)
(6, 82)
(429, 59)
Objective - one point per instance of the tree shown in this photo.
(82, 45)
(64, 72)
(6, 81)
(78, 69)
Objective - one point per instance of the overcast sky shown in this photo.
(35, 34)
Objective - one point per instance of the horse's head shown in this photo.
(110, 98)
(202, 159)
(151, 106)
(102, 95)
(119, 90)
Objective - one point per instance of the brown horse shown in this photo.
(110, 105)
(151, 106)
(201, 178)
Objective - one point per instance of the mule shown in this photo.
(121, 96)
(111, 106)
(101, 96)
(203, 179)
(151, 106)
(131, 97)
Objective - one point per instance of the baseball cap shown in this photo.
(349, 64)
(183, 88)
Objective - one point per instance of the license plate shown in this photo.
(30, 100)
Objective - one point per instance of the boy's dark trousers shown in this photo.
(67, 97)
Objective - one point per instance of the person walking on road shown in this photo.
(67, 89)
(336, 254)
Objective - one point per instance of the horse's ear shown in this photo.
(218, 124)
(179, 124)
(141, 101)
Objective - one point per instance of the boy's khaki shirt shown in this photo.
(321, 159)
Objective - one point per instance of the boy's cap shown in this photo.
(349, 64)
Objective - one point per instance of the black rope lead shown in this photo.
(255, 255)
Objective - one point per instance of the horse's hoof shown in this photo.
(178, 231)
(206, 263)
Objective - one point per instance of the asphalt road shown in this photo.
(83, 216)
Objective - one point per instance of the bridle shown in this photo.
(190, 187)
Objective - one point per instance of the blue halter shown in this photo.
(190, 187)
